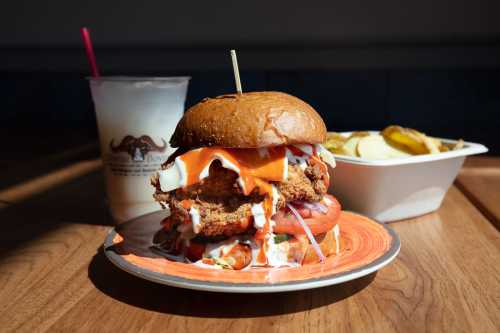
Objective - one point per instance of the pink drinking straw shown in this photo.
(90, 52)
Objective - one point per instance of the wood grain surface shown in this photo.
(479, 179)
(55, 278)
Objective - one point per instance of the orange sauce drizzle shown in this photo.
(256, 169)
(186, 204)
(251, 164)
(208, 261)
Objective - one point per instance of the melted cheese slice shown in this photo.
(269, 164)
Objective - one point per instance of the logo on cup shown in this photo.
(137, 148)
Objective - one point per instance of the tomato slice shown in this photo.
(239, 256)
(318, 222)
(195, 251)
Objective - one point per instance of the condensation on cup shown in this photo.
(136, 117)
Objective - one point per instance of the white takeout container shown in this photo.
(397, 188)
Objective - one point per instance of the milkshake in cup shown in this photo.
(135, 117)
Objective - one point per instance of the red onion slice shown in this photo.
(309, 234)
(316, 206)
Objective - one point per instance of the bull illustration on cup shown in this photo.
(137, 148)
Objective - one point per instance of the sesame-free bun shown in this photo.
(249, 120)
(328, 245)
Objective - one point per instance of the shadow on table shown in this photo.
(80, 201)
(132, 290)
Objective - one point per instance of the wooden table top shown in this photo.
(479, 179)
(55, 277)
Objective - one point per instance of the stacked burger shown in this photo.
(247, 185)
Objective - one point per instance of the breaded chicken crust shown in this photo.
(224, 209)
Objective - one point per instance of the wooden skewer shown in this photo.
(236, 72)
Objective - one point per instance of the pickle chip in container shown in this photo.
(359, 134)
(452, 146)
(409, 138)
(393, 142)
(335, 142)
(350, 148)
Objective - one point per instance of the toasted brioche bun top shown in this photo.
(249, 120)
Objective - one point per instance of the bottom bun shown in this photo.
(328, 245)
(302, 250)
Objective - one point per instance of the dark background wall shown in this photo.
(433, 65)
(187, 35)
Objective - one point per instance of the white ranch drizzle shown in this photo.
(195, 219)
(336, 233)
(176, 176)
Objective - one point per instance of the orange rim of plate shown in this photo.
(364, 243)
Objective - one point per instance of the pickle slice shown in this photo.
(406, 137)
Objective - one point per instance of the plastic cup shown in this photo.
(136, 116)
